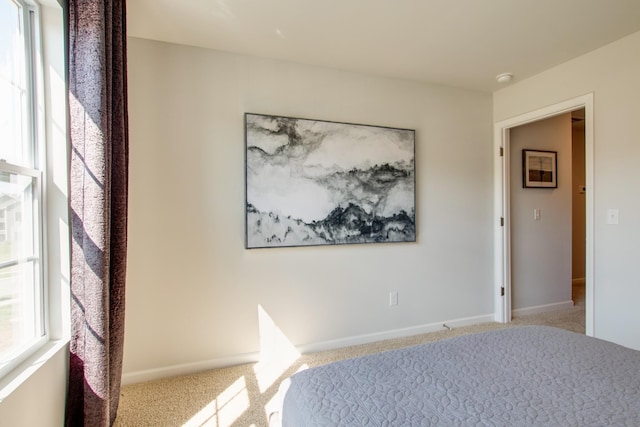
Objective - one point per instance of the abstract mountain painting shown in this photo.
(314, 182)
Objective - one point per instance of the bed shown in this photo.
(520, 376)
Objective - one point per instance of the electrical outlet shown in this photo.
(393, 298)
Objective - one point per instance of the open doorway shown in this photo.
(540, 220)
(502, 188)
(547, 216)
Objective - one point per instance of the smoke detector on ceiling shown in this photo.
(504, 77)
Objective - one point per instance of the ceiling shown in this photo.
(461, 43)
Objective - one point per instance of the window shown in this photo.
(22, 296)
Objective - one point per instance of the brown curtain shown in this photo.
(97, 82)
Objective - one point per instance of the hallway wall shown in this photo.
(541, 249)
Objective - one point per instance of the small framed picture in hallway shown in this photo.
(539, 169)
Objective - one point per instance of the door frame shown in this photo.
(502, 208)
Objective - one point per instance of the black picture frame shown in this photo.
(317, 182)
(539, 169)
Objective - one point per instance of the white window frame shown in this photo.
(35, 111)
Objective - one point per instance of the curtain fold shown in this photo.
(98, 185)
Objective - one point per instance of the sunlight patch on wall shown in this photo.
(277, 353)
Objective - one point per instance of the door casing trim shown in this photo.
(502, 234)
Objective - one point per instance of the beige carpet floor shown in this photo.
(245, 395)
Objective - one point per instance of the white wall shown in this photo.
(541, 249)
(611, 73)
(40, 398)
(193, 290)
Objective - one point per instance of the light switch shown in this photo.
(613, 216)
(536, 214)
(393, 298)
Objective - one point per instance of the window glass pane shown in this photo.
(19, 266)
(18, 310)
(16, 196)
(14, 117)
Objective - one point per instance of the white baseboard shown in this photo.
(222, 362)
(188, 368)
(394, 333)
(542, 308)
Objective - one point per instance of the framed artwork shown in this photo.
(315, 182)
(539, 169)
